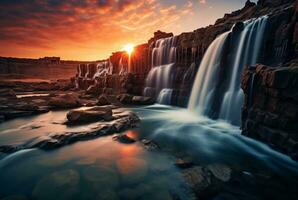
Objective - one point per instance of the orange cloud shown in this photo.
(82, 29)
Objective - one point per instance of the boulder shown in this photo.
(103, 100)
(107, 100)
(124, 139)
(90, 115)
(141, 100)
(125, 98)
(64, 101)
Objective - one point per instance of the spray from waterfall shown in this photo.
(244, 50)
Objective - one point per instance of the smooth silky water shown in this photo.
(106, 169)
(95, 169)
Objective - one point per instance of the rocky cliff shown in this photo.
(270, 111)
(279, 46)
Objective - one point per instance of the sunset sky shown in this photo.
(93, 29)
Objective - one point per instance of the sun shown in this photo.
(129, 48)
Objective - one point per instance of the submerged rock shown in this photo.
(132, 170)
(90, 115)
(58, 185)
(207, 182)
(150, 145)
(124, 139)
(221, 172)
(184, 162)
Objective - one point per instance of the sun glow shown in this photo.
(129, 48)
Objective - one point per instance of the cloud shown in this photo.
(202, 1)
(81, 29)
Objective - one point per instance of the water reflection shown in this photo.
(106, 169)
(100, 168)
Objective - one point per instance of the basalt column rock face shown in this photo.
(270, 111)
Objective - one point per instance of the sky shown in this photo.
(93, 29)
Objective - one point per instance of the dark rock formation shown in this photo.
(270, 111)
(120, 121)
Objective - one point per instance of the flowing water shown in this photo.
(160, 78)
(95, 169)
(106, 169)
(245, 51)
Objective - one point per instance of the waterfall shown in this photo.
(160, 78)
(102, 69)
(243, 51)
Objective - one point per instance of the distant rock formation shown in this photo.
(48, 68)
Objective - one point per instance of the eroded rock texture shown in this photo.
(270, 111)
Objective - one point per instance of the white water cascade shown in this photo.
(245, 51)
(160, 78)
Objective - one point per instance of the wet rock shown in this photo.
(207, 182)
(124, 138)
(271, 107)
(100, 177)
(197, 178)
(184, 163)
(64, 101)
(141, 100)
(122, 120)
(125, 98)
(150, 145)
(107, 100)
(103, 100)
(238, 27)
(221, 172)
(90, 115)
(58, 185)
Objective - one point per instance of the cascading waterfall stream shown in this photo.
(160, 78)
(245, 51)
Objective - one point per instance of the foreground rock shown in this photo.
(119, 121)
(90, 115)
